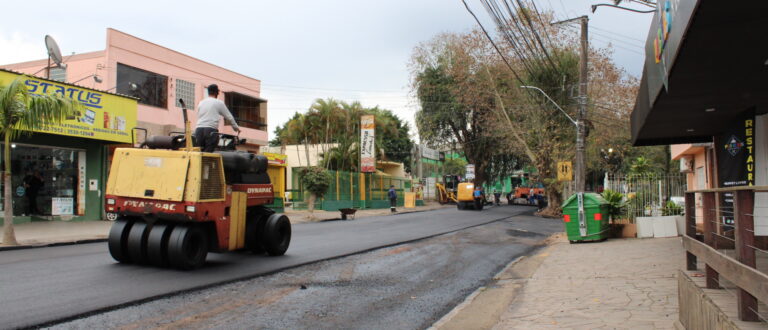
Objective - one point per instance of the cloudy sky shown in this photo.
(300, 50)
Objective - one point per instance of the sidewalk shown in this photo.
(616, 284)
(42, 233)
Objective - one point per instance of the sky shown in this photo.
(300, 50)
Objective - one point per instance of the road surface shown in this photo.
(49, 285)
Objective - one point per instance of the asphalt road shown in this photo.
(41, 286)
(407, 286)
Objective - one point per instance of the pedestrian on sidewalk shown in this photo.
(497, 197)
(209, 112)
(33, 181)
(392, 194)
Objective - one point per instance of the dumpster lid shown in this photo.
(590, 199)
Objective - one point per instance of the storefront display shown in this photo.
(45, 180)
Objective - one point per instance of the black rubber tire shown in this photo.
(118, 239)
(137, 242)
(461, 206)
(276, 236)
(254, 227)
(157, 244)
(187, 247)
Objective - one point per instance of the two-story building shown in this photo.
(155, 76)
(158, 77)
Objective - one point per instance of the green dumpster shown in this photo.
(593, 226)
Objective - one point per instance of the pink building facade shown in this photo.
(158, 77)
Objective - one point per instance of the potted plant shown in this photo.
(617, 207)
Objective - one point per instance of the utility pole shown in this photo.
(580, 165)
(582, 115)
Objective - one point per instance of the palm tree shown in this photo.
(20, 114)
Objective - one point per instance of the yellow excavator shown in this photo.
(446, 191)
(461, 193)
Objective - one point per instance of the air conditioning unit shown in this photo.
(686, 164)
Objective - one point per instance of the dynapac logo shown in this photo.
(258, 190)
(159, 206)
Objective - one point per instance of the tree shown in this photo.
(316, 180)
(456, 100)
(455, 166)
(20, 114)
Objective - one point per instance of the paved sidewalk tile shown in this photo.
(616, 284)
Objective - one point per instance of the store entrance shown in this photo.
(45, 180)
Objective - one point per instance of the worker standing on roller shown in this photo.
(209, 111)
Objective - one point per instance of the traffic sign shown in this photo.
(564, 171)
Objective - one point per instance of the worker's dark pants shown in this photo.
(392, 204)
(478, 202)
(206, 139)
(32, 203)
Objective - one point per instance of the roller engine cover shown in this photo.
(244, 167)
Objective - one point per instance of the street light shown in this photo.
(553, 102)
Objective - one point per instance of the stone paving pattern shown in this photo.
(615, 284)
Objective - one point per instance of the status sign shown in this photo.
(564, 171)
(367, 141)
(106, 116)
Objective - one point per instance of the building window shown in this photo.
(58, 74)
(185, 90)
(248, 111)
(149, 87)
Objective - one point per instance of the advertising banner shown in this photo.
(275, 159)
(735, 149)
(105, 117)
(470, 174)
(429, 153)
(367, 141)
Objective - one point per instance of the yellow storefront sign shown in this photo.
(275, 159)
(564, 171)
(106, 116)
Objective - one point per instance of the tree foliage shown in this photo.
(468, 94)
(316, 180)
(335, 125)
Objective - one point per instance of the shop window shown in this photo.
(45, 181)
(185, 90)
(249, 111)
(149, 87)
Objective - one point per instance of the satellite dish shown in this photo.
(53, 50)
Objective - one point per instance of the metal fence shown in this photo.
(351, 190)
(649, 195)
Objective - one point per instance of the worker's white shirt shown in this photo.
(210, 110)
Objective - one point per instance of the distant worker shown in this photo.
(497, 196)
(209, 111)
(392, 194)
(478, 195)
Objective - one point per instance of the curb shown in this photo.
(37, 246)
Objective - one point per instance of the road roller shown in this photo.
(174, 204)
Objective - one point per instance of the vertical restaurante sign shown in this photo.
(367, 141)
(736, 157)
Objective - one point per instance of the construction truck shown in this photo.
(174, 204)
(465, 199)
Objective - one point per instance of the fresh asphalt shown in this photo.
(48, 285)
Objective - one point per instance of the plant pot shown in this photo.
(629, 230)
